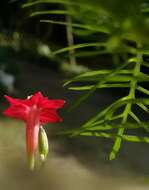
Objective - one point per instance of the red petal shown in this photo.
(49, 116)
(17, 101)
(18, 112)
(36, 98)
(53, 104)
(19, 108)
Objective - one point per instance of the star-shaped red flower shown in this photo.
(35, 111)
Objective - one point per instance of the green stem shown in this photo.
(31, 161)
(70, 39)
(127, 109)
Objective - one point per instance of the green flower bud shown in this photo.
(43, 144)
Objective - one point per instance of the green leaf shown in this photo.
(142, 106)
(64, 2)
(141, 89)
(78, 46)
(117, 143)
(133, 115)
(82, 98)
(121, 85)
(49, 1)
(108, 75)
(106, 111)
(61, 12)
(76, 25)
(86, 95)
(130, 138)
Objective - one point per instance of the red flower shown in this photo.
(35, 111)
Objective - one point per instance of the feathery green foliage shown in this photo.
(124, 26)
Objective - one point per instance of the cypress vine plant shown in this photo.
(124, 29)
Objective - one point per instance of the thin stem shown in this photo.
(70, 40)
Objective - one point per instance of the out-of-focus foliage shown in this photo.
(126, 19)
(116, 28)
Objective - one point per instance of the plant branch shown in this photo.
(127, 109)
